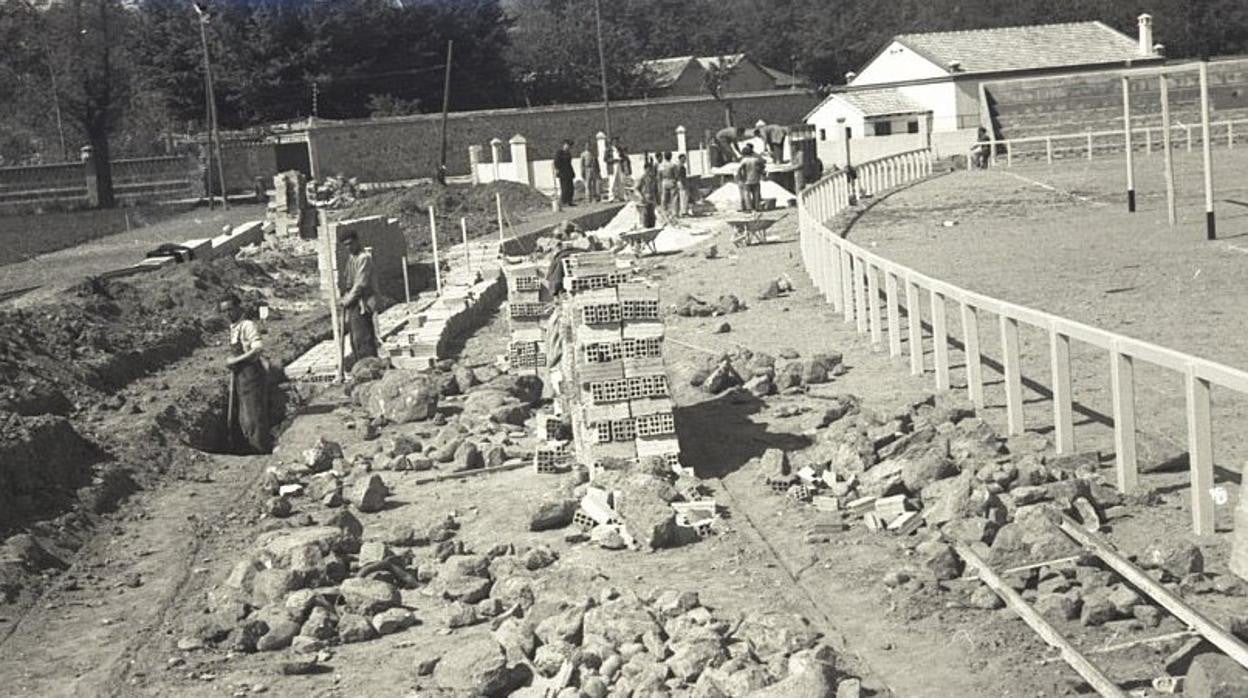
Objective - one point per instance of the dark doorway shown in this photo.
(293, 156)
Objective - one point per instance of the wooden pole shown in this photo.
(446, 107)
(463, 227)
(433, 235)
(328, 241)
(1126, 136)
(1214, 633)
(1077, 661)
(498, 208)
(1166, 146)
(1211, 228)
(407, 286)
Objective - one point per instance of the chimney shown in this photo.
(955, 66)
(1146, 35)
(849, 77)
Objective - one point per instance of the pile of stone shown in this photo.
(628, 505)
(691, 306)
(933, 473)
(761, 374)
(334, 192)
(615, 643)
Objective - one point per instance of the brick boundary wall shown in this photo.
(382, 150)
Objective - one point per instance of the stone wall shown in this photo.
(409, 147)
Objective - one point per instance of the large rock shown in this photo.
(645, 508)
(940, 559)
(467, 457)
(477, 666)
(1214, 675)
(775, 632)
(690, 659)
(722, 378)
(1177, 557)
(322, 455)
(551, 513)
(368, 495)
(401, 397)
(621, 621)
(525, 388)
(368, 596)
(812, 674)
(921, 470)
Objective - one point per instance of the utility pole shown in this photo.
(316, 98)
(446, 107)
(213, 134)
(602, 69)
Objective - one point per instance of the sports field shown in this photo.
(1058, 238)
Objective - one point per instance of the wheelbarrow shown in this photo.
(750, 231)
(642, 240)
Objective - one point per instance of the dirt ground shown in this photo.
(1059, 239)
(111, 623)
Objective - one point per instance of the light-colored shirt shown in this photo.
(361, 281)
(244, 336)
(667, 174)
(751, 169)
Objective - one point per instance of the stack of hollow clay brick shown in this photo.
(526, 317)
(617, 389)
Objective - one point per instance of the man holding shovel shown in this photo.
(360, 301)
(248, 412)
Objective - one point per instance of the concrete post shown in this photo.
(601, 138)
(88, 171)
(496, 155)
(682, 145)
(474, 159)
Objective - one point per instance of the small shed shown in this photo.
(868, 113)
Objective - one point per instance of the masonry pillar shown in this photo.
(474, 159)
(601, 138)
(682, 145)
(88, 171)
(496, 154)
(520, 159)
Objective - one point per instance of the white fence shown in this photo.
(850, 277)
(1149, 139)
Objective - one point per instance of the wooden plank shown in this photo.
(1077, 661)
(914, 321)
(1214, 633)
(1013, 378)
(873, 307)
(831, 256)
(940, 341)
(847, 281)
(1200, 452)
(1122, 385)
(860, 295)
(1063, 422)
(894, 314)
(974, 363)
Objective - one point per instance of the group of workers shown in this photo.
(728, 141)
(619, 170)
(248, 411)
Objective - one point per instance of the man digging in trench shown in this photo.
(249, 405)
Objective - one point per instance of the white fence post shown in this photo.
(520, 159)
(682, 145)
(474, 161)
(496, 155)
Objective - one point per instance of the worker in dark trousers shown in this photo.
(248, 411)
(564, 173)
(360, 301)
(726, 140)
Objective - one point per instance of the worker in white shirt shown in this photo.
(249, 405)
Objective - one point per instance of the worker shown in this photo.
(359, 304)
(669, 187)
(591, 174)
(618, 168)
(249, 389)
(980, 152)
(564, 172)
(683, 183)
(773, 136)
(750, 179)
(648, 194)
(726, 142)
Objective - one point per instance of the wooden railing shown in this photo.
(1088, 143)
(850, 277)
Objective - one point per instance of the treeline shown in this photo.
(82, 71)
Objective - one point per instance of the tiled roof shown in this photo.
(667, 71)
(1024, 48)
(881, 102)
(782, 78)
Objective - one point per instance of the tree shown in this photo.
(715, 77)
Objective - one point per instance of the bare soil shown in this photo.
(140, 581)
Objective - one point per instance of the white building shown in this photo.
(942, 71)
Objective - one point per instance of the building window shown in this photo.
(823, 134)
(883, 128)
(912, 127)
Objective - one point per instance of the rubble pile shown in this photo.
(934, 474)
(334, 192)
(761, 374)
(691, 306)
